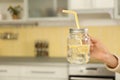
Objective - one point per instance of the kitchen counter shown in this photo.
(33, 61)
(38, 60)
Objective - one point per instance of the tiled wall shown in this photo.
(27, 36)
(56, 37)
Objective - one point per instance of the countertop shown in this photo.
(31, 60)
(37, 61)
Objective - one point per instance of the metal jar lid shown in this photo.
(75, 30)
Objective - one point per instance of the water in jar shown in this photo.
(78, 49)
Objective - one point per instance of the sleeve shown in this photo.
(117, 68)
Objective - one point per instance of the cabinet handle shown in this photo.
(43, 72)
(3, 70)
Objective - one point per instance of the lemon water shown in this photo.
(78, 53)
(78, 42)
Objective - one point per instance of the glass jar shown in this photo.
(78, 46)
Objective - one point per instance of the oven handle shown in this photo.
(88, 78)
(91, 68)
(76, 78)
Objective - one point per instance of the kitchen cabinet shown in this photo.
(46, 9)
(103, 4)
(9, 78)
(92, 6)
(36, 10)
(44, 72)
(33, 9)
(6, 4)
(117, 9)
(37, 71)
(79, 4)
(9, 72)
(42, 79)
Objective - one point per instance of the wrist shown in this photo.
(110, 60)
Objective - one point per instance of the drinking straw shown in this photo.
(75, 15)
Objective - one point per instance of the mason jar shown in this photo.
(78, 46)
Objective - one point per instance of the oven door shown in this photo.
(87, 78)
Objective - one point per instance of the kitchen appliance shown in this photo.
(90, 72)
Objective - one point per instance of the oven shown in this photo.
(90, 72)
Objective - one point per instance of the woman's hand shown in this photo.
(97, 49)
(100, 52)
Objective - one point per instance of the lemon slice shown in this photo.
(80, 49)
(83, 49)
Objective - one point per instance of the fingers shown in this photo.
(93, 40)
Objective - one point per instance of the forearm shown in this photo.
(110, 60)
(115, 68)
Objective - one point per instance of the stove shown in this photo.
(90, 72)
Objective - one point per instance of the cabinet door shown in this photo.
(103, 3)
(90, 4)
(46, 8)
(7, 70)
(117, 9)
(43, 79)
(44, 71)
(79, 4)
(9, 78)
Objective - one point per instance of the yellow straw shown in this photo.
(75, 14)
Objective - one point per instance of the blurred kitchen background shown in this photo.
(44, 21)
(33, 38)
(23, 24)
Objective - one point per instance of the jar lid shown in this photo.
(75, 30)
